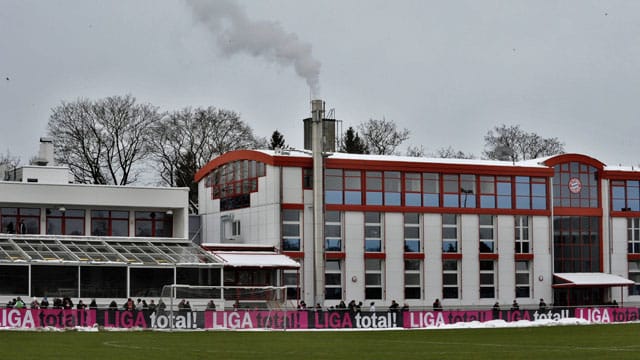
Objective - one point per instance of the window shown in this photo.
(450, 279)
(333, 279)
(487, 279)
(333, 186)
(333, 231)
(373, 182)
(522, 235)
(373, 278)
(575, 185)
(633, 235)
(109, 223)
(233, 182)
(576, 244)
(290, 280)
(235, 228)
(148, 282)
(392, 188)
(450, 233)
(625, 195)
(372, 232)
(487, 233)
(291, 230)
(467, 191)
(154, 224)
(352, 188)
(487, 192)
(412, 232)
(503, 190)
(20, 220)
(531, 193)
(412, 279)
(459, 190)
(451, 190)
(412, 195)
(307, 179)
(431, 189)
(15, 280)
(523, 279)
(65, 222)
(634, 274)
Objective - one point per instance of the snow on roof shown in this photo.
(591, 279)
(256, 259)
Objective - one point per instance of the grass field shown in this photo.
(557, 342)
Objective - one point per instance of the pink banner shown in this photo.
(422, 319)
(256, 320)
(607, 315)
(27, 318)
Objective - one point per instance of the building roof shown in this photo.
(49, 249)
(260, 259)
(590, 279)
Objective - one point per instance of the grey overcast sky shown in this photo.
(446, 70)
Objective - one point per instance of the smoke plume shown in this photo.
(235, 33)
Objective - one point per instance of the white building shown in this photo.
(468, 232)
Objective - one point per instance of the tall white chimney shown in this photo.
(317, 114)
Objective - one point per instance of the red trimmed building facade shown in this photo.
(468, 232)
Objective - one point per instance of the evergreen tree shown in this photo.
(277, 141)
(352, 143)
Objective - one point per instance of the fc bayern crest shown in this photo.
(575, 185)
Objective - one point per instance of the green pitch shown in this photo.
(559, 342)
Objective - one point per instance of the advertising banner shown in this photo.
(58, 318)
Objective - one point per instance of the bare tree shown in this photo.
(185, 140)
(514, 144)
(451, 153)
(382, 137)
(102, 141)
(416, 151)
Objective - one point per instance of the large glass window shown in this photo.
(412, 279)
(575, 185)
(523, 279)
(450, 279)
(576, 244)
(503, 190)
(450, 233)
(233, 182)
(54, 281)
(333, 279)
(373, 232)
(291, 230)
(451, 190)
(522, 235)
(373, 278)
(333, 231)
(103, 282)
(109, 223)
(487, 192)
(412, 233)
(65, 222)
(487, 279)
(154, 224)
(148, 282)
(20, 220)
(487, 233)
(15, 280)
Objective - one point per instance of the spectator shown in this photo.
(318, 307)
(394, 306)
(139, 305)
(19, 304)
(341, 305)
(437, 306)
(34, 304)
(405, 307)
(161, 306)
(372, 307)
(515, 306)
(359, 307)
(44, 303)
(22, 228)
(211, 306)
(152, 306)
(145, 306)
(113, 305)
(81, 305)
(496, 310)
(542, 306)
(93, 305)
